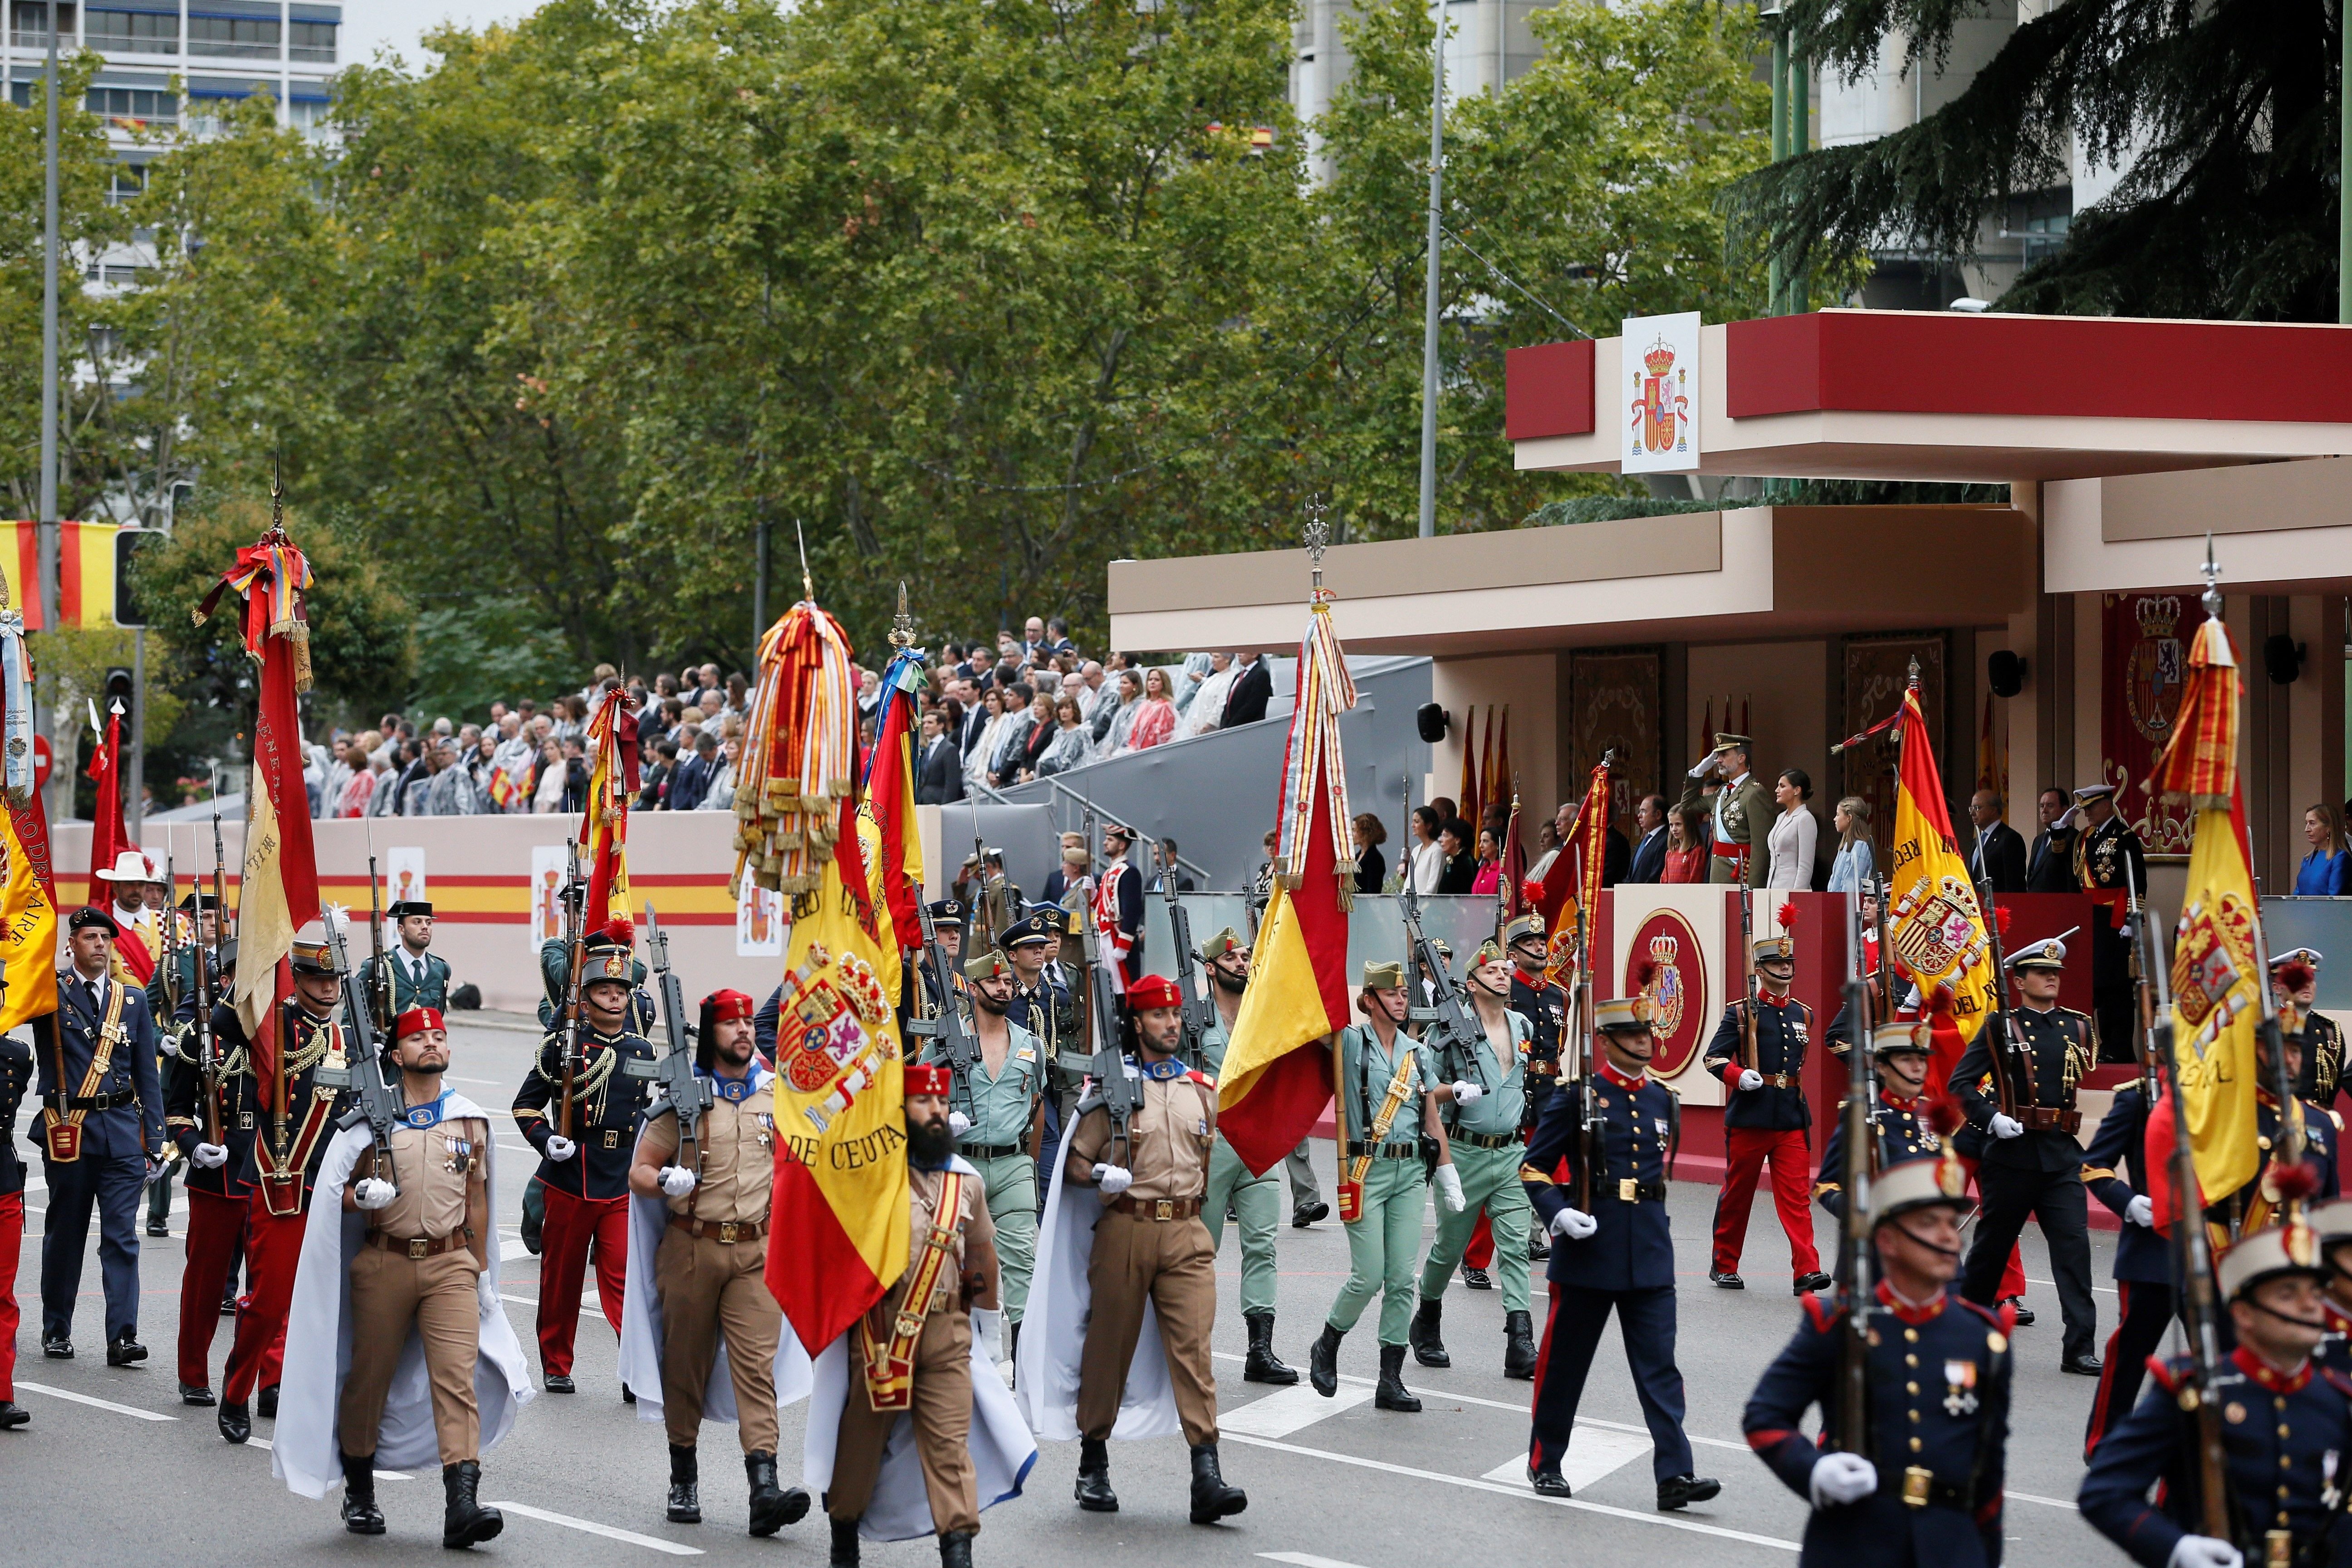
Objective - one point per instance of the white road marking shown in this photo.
(606, 1531)
(1305, 1560)
(485, 1082)
(511, 1250)
(265, 1445)
(1593, 1453)
(100, 1403)
(1522, 1492)
(2044, 1502)
(1280, 1413)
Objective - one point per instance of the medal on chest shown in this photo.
(1961, 1398)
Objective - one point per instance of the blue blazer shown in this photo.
(2323, 875)
(130, 1130)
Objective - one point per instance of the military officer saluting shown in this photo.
(101, 1131)
(414, 977)
(2032, 1162)
(1256, 1200)
(2295, 984)
(2287, 1420)
(996, 1110)
(582, 1117)
(2115, 1172)
(1922, 1484)
(2111, 866)
(1742, 812)
(1898, 1121)
(1618, 1256)
(1483, 1113)
(215, 1132)
(1765, 1113)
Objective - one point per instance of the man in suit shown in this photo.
(1650, 854)
(1165, 856)
(938, 776)
(2050, 868)
(1999, 857)
(1252, 688)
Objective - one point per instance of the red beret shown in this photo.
(924, 1078)
(415, 1021)
(730, 1004)
(1153, 991)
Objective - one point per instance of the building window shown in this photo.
(134, 108)
(313, 42)
(134, 32)
(239, 37)
(126, 183)
(311, 117)
(29, 25)
(207, 114)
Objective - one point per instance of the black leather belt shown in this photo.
(1924, 1489)
(417, 1245)
(1383, 1150)
(100, 1101)
(1629, 1191)
(1485, 1140)
(993, 1150)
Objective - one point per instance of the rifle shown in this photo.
(2200, 1311)
(1591, 1131)
(1199, 1011)
(1747, 983)
(1861, 1150)
(379, 987)
(575, 909)
(1106, 1063)
(1451, 1029)
(954, 1041)
(220, 875)
(378, 1103)
(688, 1094)
(2008, 1043)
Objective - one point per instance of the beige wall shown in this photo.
(1529, 682)
(1786, 685)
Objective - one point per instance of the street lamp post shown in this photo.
(1430, 286)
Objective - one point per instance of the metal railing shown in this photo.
(1084, 804)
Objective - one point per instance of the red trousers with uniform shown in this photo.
(273, 1250)
(573, 1225)
(12, 1242)
(1745, 1150)
(2013, 1279)
(215, 1223)
(1479, 1252)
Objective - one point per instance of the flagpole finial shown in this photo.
(902, 626)
(2212, 570)
(277, 493)
(1914, 672)
(808, 585)
(1317, 536)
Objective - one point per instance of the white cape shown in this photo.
(1061, 1299)
(305, 1453)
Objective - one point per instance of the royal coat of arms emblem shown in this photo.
(1661, 408)
(1937, 929)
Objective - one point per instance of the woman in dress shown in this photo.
(1854, 869)
(1428, 856)
(1067, 749)
(1208, 708)
(1687, 846)
(1489, 876)
(1155, 718)
(1461, 869)
(983, 746)
(1794, 833)
(1115, 740)
(547, 799)
(1035, 742)
(1013, 748)
(1371, 866)
(2326, 870)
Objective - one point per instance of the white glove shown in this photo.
(1574, 1223)
(2203, 1552)
(1750, 1079)
(1113, 1179)
(2139, 1211)
(370, 1194)
(959, 1123)
(2007, 1126)
(1449, 1188)
(559, 1148)
(1842, 1479)
(677, 1181)
(1467, 1093)
(486, 1292)
(211, 1156)
(171, 1046)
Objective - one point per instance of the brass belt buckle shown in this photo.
(2278, 1548)
(1628, 1191)
(1164, 1208)
(725, 1233)
(1915, 1483)
(417, 1246)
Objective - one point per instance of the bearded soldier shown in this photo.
(1256, 1200)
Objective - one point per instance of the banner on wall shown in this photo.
(1659, 375)
(403, 879)
(1681, 928)
(1876, 671)
(2143, 670)
(1616, 699)
(547, 862)
(759, 923)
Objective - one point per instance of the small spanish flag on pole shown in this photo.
(1273, 1088)
(28, 894)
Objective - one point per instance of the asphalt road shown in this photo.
(113, 1469)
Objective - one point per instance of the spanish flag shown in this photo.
(1933, 917)
(1272, 1089)
(2216, 981)
(890, 791)
(604, 823)
(28, 894)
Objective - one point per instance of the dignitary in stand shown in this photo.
(1256, 1201)
(1485, 1094)
(1740, 816)
(1765, 1113)
(1386, 1105)
(583, 1124)
(1619, 1257)
(397, 1348)
(1999, 857)
(697, 1255)
(997, 1112)
(2031, 1163)
(101, 1131)
(2049, 865)
(15, 1077)
(1922, 1483)
(2111, 866)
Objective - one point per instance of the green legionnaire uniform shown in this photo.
(1487, 1152)
(1255, 1202)
(415, 979)
(1000, 1112)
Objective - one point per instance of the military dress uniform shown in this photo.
(2039, 1172)
(587, 1194)
(2111, 865)
(2115, 1171)
(1048, 1008)
(1256, 1205)
(219, 1197)
(101, 1122)
(1742, 814)
(2322, 1076)
(1486, 1139)
(15, 1077)
(1900, 1128)
(1382, 1088)
(2248, 1208)
(1001, 1107)
(414, 980)
(1767, 1122)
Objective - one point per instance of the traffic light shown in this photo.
(118, 688)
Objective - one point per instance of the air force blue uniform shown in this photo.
(121, 1130)
(1938, 1420)
(1627, 1264)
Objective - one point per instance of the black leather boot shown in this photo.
(955, 1548)
(1264, 1365)
(234, 1421)
(1428, 1344)
(1391, 1393)
(1519, 1346)
(360, 1516)
(265, 1404)
(685, 1495)
(845, 1544)
(1093, 1493)
(465, 1523)
(1323, 1362)
(772, 1506)
(1212, 1500)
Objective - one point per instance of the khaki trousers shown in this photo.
(390, 1290)
(710, 1290)
(1171, 1264)
(943, 1416)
